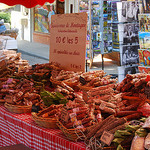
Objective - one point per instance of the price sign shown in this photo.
(68, 40)
(107, 137)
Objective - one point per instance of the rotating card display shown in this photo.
(144, 38)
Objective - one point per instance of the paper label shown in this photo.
(64, 115)
(107, 137)
(73, 117)
(75, 110)
(10, 80)
(99, 116)
(78, 123)
(102, 106)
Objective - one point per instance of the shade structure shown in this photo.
(4, 6)
(26, 3)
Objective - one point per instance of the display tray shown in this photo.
(44, 122)
(17, 108)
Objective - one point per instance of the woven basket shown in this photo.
(2, 101)
(71, 134)
(127, 147)
(18, 109)
(44, 122)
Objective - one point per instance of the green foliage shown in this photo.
(5, 16)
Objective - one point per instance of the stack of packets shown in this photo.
(12, 57)
(144, 60)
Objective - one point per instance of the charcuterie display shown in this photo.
(90, 107)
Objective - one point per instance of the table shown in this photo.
(20, 128)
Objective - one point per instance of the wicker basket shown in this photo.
(127, 147)
(2, 101)
(44, 122)
(71, 134)
(17, 108)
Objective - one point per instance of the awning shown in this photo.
(26, 3)
(4, 6)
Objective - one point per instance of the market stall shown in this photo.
(59, 106)
(88, 108)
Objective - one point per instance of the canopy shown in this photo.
(3, 6)
(27, 3)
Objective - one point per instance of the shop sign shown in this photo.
(68, 40)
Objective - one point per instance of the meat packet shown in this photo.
(137, 143)
(147, 141)
(147, 123)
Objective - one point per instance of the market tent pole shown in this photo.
(26, 3)
(90, 44)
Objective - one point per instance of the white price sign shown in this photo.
(68, 36)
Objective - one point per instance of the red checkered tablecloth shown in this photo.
(20, 128)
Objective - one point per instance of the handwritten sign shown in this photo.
(107, 137)
(68, 40)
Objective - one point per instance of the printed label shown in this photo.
(64, 115)
(75, 110)
(102, 106)
(73, 117)
(107, 137)
(78, 123)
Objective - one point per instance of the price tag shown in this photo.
(76, 109)
(78, 123)
(99, 116)
(73, 117)
(102, 106)
(107, 137)
(64, 115)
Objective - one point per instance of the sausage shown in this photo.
(110, 126)
(130, 107)
(99, 125)
(124, 113)
(133, 116)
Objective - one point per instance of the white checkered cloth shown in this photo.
(20, 128)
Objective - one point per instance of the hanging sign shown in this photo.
(68, 40)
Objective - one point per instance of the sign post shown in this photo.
(68, 40)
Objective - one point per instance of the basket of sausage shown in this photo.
(47, 117)
(19, 109)
(70, 78)
(94, 79)
(74, 119)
